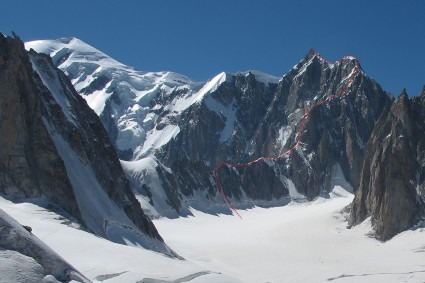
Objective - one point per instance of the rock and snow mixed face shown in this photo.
(187, 128)
(127, 100)
(139, 109)
(54, 146)
(180, 130)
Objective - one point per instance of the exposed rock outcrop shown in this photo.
(260, 118)
(392, 187)
(29, 163)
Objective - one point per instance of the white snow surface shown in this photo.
(227, 113)
(156, 139)
(284, 134)
(338, 178)
(16, 267)
(104, 261)
(300, 242)
(179, 105)
(295, 195)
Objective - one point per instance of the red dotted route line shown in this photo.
(304, 118)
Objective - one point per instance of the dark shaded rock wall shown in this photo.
(29, 163)
(335, 132)
(391, 189)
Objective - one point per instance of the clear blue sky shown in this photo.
(200, 38)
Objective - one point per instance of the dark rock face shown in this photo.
(266, 118)
(29, 163)
(392, 187)
(54, 145)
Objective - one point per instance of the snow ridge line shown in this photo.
(344, 91)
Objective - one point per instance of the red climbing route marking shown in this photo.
(343, 92)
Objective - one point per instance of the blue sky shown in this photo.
(200, 38)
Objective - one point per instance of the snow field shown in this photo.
(101, 260)
(300, 242)
(304, 242)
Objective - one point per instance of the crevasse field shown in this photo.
(300, 242)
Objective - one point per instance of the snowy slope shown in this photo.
(101, 260)
(305, 242)
(300, 242)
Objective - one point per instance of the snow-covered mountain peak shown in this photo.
(90, 69)
(128, 100)
(71, 50)
(180, 104)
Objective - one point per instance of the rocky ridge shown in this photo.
(267, 117)
(392, 188)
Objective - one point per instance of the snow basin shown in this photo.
(299, 242)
